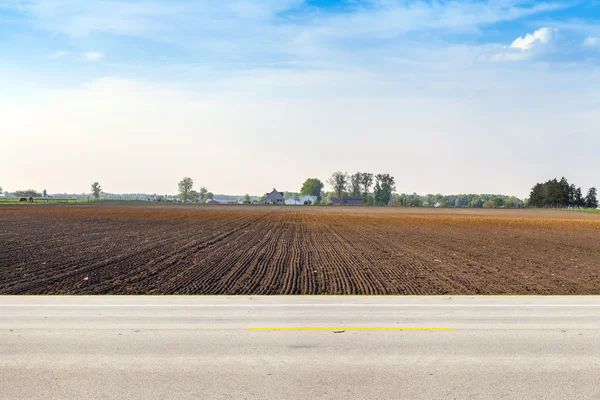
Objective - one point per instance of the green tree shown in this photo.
(339, 183)
(488, 204)
(185, 187)
(416, 202)
(579, 200)
(591, 200)
(356, 184)
(209, 196)
(246, 197)
(366, 182)
(0, 189)
(384, 187)
(96, 190)
(369, 200)
(202, 193)
(194, 196)
(498, 202)
(312, 187)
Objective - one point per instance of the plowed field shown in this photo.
(154, 249)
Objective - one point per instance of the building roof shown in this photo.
(353, 198)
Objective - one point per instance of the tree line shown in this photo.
(561, 194)
(376, 189)
(458, 201)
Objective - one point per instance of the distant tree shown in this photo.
(339, 183)
(194, 196)
(356, 184)
(96, 190)
(591, 200)
(416, 202)
(579, 199)
(384, 187)
(572, 196)
(511, 202)
(0, 189)
(488, 204)
(246, 197)
(498, 202)
(202, 193)
(312, 187)
(369, 200)
(209, 196)
(366, 182)
(185, 187)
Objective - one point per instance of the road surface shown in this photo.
(201, 348)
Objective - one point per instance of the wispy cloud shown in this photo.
(92, 56)
(59, 54)
(591, 41)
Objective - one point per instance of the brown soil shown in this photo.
(155, 249)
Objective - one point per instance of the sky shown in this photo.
(244, 96)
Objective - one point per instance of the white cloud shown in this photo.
(541, 36)
(92, 56)
(591, 41)
(59, 54)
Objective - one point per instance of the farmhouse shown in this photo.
(348, 201)
(274, 197)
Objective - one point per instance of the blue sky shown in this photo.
(447, 96)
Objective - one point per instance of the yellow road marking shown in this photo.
(319, 328)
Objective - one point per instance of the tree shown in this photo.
(488, 204)
(0, 189)
(96, 190)
(367, 181)
(185, 187)
(384, 187)
(356, 184)
(194, 196)
(246, 197)
(579, 200)
(591, 200)
(202, 193)
(498, 202)
(312, 187)
(338, 182)
(416, 202)
(209, 196)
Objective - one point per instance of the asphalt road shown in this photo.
(200, 347)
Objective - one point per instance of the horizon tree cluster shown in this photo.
(560, 194)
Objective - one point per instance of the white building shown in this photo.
(310, 200)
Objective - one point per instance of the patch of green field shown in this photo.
(38, 200)
(588, 211)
